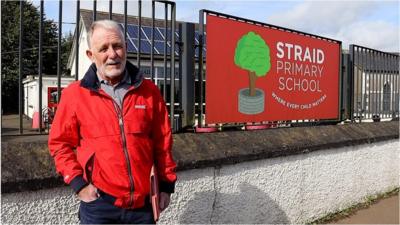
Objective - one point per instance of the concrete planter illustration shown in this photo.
(251, 104)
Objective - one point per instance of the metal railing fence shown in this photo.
(170, 40)
(372, 90)
(375, 84)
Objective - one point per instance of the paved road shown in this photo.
(385, 211)
(10, 125)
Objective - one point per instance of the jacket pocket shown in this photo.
(137, 127)
(84, 157)
(139, 141)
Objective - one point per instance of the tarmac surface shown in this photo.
(385, 211)
(10, 126)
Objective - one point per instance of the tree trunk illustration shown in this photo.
(252, 83)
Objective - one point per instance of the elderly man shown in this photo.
(109, 130)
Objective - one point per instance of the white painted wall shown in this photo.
(84, 61)
(30, 97)
(31, 93)
(293, 189)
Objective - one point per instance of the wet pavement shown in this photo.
(384, 211)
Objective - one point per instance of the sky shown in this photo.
(374, 24)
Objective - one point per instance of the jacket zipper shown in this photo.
(125, 149)
(128, 162)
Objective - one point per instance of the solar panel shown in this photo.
(157, 35)
(158, 40)
(162, 30)
(197, 52)
(131, 47)
(132, 31)
(145, 35)
(121, 26)
(159, 45)
(196, 37)
(145, 47)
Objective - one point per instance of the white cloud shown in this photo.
(349, 22)
(320, 16)
(189, 10)
(373, 34)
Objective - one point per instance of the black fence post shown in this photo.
(139, 32)
(59, 51)
(351, 83)
(125, 20)
(187, 60)
(110, 10)
(152, 40)
(200, 69)
(341, 108)
(172, 67)
(77, 33)
(21, 66)
(345, 86)
(94, 10)
(40, 63)
(165, 51)
(396, 85)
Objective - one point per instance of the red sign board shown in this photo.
(257, 73)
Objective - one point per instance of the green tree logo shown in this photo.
(252, 54)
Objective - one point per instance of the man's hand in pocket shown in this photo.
(88, 193)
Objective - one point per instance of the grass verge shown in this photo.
(369, 200)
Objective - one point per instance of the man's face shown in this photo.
(108, 52)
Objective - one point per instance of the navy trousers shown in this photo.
(103, 211)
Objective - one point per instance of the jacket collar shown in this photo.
(91, 81)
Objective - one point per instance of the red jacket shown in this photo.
(115, 149)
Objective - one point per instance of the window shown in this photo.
(160, 84)
(160, 72)
(146, 71)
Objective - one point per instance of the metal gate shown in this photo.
(374, 85)
(143, 41)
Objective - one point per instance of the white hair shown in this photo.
(107, 24)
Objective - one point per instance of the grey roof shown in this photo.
(87, 16)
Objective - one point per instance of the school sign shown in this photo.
(257, 73)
